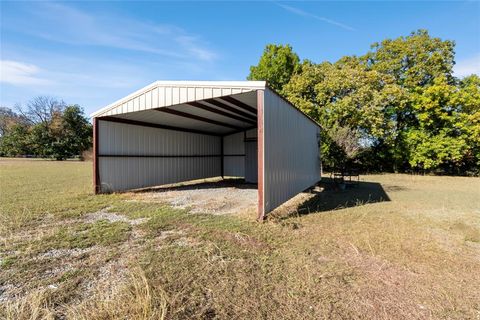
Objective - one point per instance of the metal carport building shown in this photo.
(174, 131)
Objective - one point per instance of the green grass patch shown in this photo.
(7, 262)
(30, 190)
(85, 235)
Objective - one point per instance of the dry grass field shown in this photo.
(395, 247)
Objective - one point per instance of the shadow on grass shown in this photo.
(333, 198)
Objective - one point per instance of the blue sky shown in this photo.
(93, 53)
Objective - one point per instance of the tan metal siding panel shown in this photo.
(123, 173)
(291, 158)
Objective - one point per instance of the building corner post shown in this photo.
(96, 175)
(260, 155)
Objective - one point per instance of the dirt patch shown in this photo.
(63, 253)
(224, 197)
(104, 214)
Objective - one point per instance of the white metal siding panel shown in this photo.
(123, 173)
(251, 162)
(207, 93)
(252, 133)
(234, 166)
(148, 100)
(291, 152)
(168, 97)
(233, 144)
(120, 174)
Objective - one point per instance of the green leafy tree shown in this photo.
(400, 101)
(346, 95)
(447, 128)
(413, 61)
(430, 151)
(46, 128)
(67, 135)
(41, 140)
(15, 141)
(76, 132)
(469, 118)
(277, 65)
(301, 89)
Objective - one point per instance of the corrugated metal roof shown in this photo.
(168, 93)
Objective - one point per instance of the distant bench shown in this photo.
(351, 177)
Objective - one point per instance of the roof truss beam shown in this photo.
(238, 131)
(154, 125)
(239, 104)
(220, 112)
(231, 109)
(198, 118)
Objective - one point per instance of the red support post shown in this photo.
(96, 174)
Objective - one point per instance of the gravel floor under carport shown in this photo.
(217, 196)
(214, 196)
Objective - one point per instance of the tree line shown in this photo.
(398, 107)
(45, 127)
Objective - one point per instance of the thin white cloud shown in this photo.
(20, 73)
(467, 67)
(303, 13)
(66, 24)
(190, 44)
